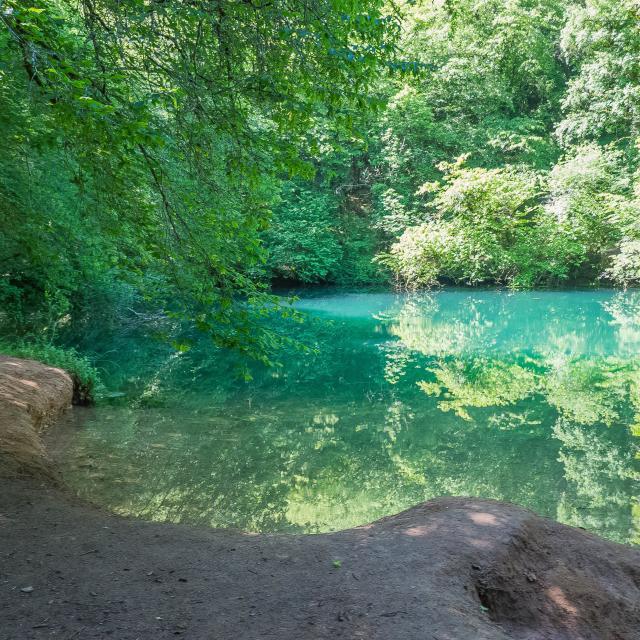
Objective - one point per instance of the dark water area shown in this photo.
(530, 397)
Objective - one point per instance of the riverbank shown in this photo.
(449, 569)
(32, 397)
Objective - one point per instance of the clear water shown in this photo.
(528, 397)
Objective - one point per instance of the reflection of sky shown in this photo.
(459, 322)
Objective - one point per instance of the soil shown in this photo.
(448, 569)
(32, 396)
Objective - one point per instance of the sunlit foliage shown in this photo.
(543, 92)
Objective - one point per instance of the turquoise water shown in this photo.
(528, 397)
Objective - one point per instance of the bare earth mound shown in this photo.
(32, 396)
(449, 569)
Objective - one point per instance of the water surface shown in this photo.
(528, 397)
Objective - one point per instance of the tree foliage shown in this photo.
(180, 156)
(145, 141)
(539, 97)
(486, 226)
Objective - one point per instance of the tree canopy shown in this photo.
(176, 158)
(145, 141)
(511, 156)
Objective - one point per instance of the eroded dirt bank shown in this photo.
(32, 396)
(450, 569)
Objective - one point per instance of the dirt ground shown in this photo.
(449, 569)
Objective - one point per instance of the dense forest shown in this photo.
(510, 157)
(177, 159)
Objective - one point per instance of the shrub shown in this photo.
(488, 225)
(302, 241)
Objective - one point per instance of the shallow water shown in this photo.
(528, 397)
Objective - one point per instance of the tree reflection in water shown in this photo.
(528, 397)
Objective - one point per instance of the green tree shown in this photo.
(601, 43)
(485, 226)
(302, 239)
(145, 142)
